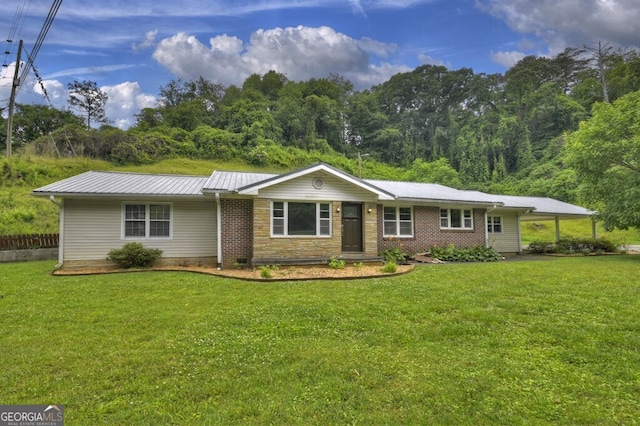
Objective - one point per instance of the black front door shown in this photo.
(351, 227)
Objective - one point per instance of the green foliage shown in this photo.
(335, 263)
(393, 254)
(265, 272)
(541, 247)
(473, 254)
(358, 265)
(605, 152)
(390, 267)
(568, 245)
(134, 255)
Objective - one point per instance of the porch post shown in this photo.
(557, 229)
(594, 229)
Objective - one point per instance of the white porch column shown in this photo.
(594, 229)
(557, 229)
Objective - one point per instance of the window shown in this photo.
(456, 219)
(147, 221)
(398, 221)
(300, 219)
(494, 224)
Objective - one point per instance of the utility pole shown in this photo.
(12, 99)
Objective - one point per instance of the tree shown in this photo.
(605, 152)
(90, 99)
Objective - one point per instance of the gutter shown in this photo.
(60, 231)
(218, 231)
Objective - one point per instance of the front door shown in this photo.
(351, 227)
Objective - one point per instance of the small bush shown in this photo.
(358, 265)
(134, 255)
(393, 255)
(473, 254)
(570, 245)
(335, 263)
(541, 246)
(390, 267)
(265, 271)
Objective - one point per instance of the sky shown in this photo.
(133, 48)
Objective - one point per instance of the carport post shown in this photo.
(557, 229)
(594, 229)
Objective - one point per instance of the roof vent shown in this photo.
(318, 183)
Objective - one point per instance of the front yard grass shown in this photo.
(537, 342)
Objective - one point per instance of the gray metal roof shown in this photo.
(432, 191)
(140, 184)
(232, 181)
(544, 206)
(120, 183)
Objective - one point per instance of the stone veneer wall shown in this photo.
(236, 230)
(267, 247)
(427, 232)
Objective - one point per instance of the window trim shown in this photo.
(147, 220)
(285, 219)
(462, 219)
(397, 221)
(491, 225)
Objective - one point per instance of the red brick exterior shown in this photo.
(236, 230)
(427, 232)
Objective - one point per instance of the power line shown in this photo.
(36, 48)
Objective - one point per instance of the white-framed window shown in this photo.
(299, 219)
(456, 219)
(147, 220)
(494, 224)
(397, 221)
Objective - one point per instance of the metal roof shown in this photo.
(432, 191)
(95, 183)
(120, 183)
(544, 206)
(232, 181)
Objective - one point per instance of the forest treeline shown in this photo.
(502, 133)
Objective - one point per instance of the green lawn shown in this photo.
(529, 342)
(580, 228)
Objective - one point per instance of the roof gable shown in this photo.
(254, 188)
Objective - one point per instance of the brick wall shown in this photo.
(237, 230)
(427, 232)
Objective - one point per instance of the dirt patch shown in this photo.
(282, 273)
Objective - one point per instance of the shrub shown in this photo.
(335, 263)
(473, 254)
(134, 255)
(585, 245)
(541, 246)
(393, 255)
(390, 267)
(265, 271)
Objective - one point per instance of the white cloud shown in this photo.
(507, 59)
(299, 52)
(429, 60)
(149, 41)
(125, 100)
(570, 22)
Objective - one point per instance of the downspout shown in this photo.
(60, 231)
(218, 231)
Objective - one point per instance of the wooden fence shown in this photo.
(33, 241)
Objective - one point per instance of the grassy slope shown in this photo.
(541, 342)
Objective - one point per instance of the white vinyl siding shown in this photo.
(507, 240)
(303, 189)
(92, 227)
(397, 221)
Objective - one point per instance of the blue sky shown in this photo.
(132, 48)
